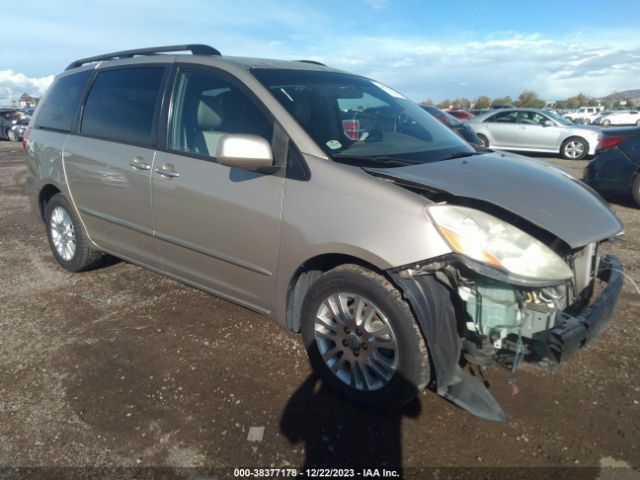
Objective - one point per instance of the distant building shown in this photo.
(27, 101)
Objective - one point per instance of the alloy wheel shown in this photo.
(356, 341)
(62, 233)
(574, 149)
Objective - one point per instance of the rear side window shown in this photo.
(61, 102)
(121, 105)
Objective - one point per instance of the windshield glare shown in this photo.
(351, 116)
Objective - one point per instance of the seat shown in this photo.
(208, 130)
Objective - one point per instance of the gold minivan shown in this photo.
(330, 203)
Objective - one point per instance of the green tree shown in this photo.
(503, 101)
(578, 101)
(427, 101)
(529, 98)
(461, 103)
(483, 102)
(446, 103)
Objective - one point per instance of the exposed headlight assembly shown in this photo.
(490, 241)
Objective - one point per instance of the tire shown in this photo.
(484, 140)
(67, 239)
(12, 136)
(635, 190)
(574, 148)
(606, 123)
(637, 123)
(359, 374)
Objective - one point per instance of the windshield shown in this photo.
(558, 118)
(352, 117)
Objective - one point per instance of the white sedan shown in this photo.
(623, 117)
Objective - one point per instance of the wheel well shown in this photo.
(45, 195)
(308, 273)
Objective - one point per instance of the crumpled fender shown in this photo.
(435, 312)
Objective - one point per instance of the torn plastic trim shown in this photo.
(458, 260)
(574, 332)
(435, 311)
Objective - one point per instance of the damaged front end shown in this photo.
(470, 313)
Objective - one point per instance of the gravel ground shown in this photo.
(121, 367)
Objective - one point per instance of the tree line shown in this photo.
(528, 98)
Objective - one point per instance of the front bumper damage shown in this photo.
(443, 320)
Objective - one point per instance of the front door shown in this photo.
(217, 227)
(535, 134)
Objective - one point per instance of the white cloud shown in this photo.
(13, 85)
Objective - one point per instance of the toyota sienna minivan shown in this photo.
(330, 203)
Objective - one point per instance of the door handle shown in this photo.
(138, 164)
(167, 170)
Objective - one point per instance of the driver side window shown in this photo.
(205, 108)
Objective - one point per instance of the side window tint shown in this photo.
(504, 117)
(205, 108)
(121, 105)
(61, 102)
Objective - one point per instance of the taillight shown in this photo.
(25, 138)
(610, 141)
(351, 128)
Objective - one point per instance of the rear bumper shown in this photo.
(573, 332)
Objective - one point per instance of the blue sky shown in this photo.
(438, 49)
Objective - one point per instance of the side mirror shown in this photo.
(249, 152)
(547, 123)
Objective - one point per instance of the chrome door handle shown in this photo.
(138, 164)
(167, 170)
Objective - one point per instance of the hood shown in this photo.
(536, 191)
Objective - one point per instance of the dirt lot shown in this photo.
(120, 367)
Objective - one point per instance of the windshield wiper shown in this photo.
(378, 159)
(460, 154)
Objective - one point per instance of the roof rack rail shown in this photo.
(195, 49)
(315, 62)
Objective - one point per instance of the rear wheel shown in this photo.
(484, 140)
(635, 190)
(606, 123)
(68, 241)
(637, 123)
(362, 338)
(574, 148)
(12, 136)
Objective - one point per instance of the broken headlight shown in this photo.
(491, 241)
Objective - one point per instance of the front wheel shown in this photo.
(606, 123)
(637, 123)
(362, 338)
(68, 241)
(574, 148)
(12, 136)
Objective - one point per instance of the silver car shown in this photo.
(535, 130)
(333, 205)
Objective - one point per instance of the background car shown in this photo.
(16, 132)
(615, 170)
(535, 130)
(460, 114)
(621, 117)
(8, 118)
(584, 115)
(461, 128)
